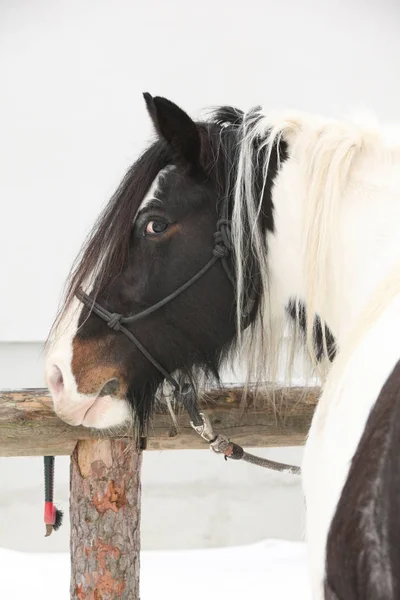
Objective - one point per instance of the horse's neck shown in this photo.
(365, 244)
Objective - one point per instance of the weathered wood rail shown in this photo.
(105, 469)
(29, 427)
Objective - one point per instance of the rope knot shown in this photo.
(224, 232)
(114, 322)
(220, 251)
(222, 246)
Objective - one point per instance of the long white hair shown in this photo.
(325, 150)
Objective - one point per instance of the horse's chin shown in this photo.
(106, 412)
(102, 412)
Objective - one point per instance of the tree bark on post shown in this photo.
(105, 520)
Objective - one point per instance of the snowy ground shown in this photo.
(269, 569)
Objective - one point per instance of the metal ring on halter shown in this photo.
(204, 430)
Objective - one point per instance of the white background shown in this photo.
(72, 116)
(72, 120)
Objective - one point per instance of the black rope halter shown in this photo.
(222, 251)
(117, 322)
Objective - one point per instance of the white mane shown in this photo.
(325, 152)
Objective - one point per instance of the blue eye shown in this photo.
(156, 227)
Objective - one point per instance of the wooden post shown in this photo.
(105, 520)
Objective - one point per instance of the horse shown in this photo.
(225, 234)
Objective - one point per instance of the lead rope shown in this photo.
(52, 516)
(220, 444)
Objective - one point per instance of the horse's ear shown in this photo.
(176, 127)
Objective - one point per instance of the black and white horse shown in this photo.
(313, 206)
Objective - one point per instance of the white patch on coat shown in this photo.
(151, 194)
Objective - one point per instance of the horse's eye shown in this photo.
(156, 227)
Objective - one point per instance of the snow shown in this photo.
(268, 569)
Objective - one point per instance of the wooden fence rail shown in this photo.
(105, 469)
(29, 427)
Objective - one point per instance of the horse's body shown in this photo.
(315, 211)
(353, 282)
(340, 419)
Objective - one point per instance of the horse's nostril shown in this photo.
(110, 388)
(56, 381)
